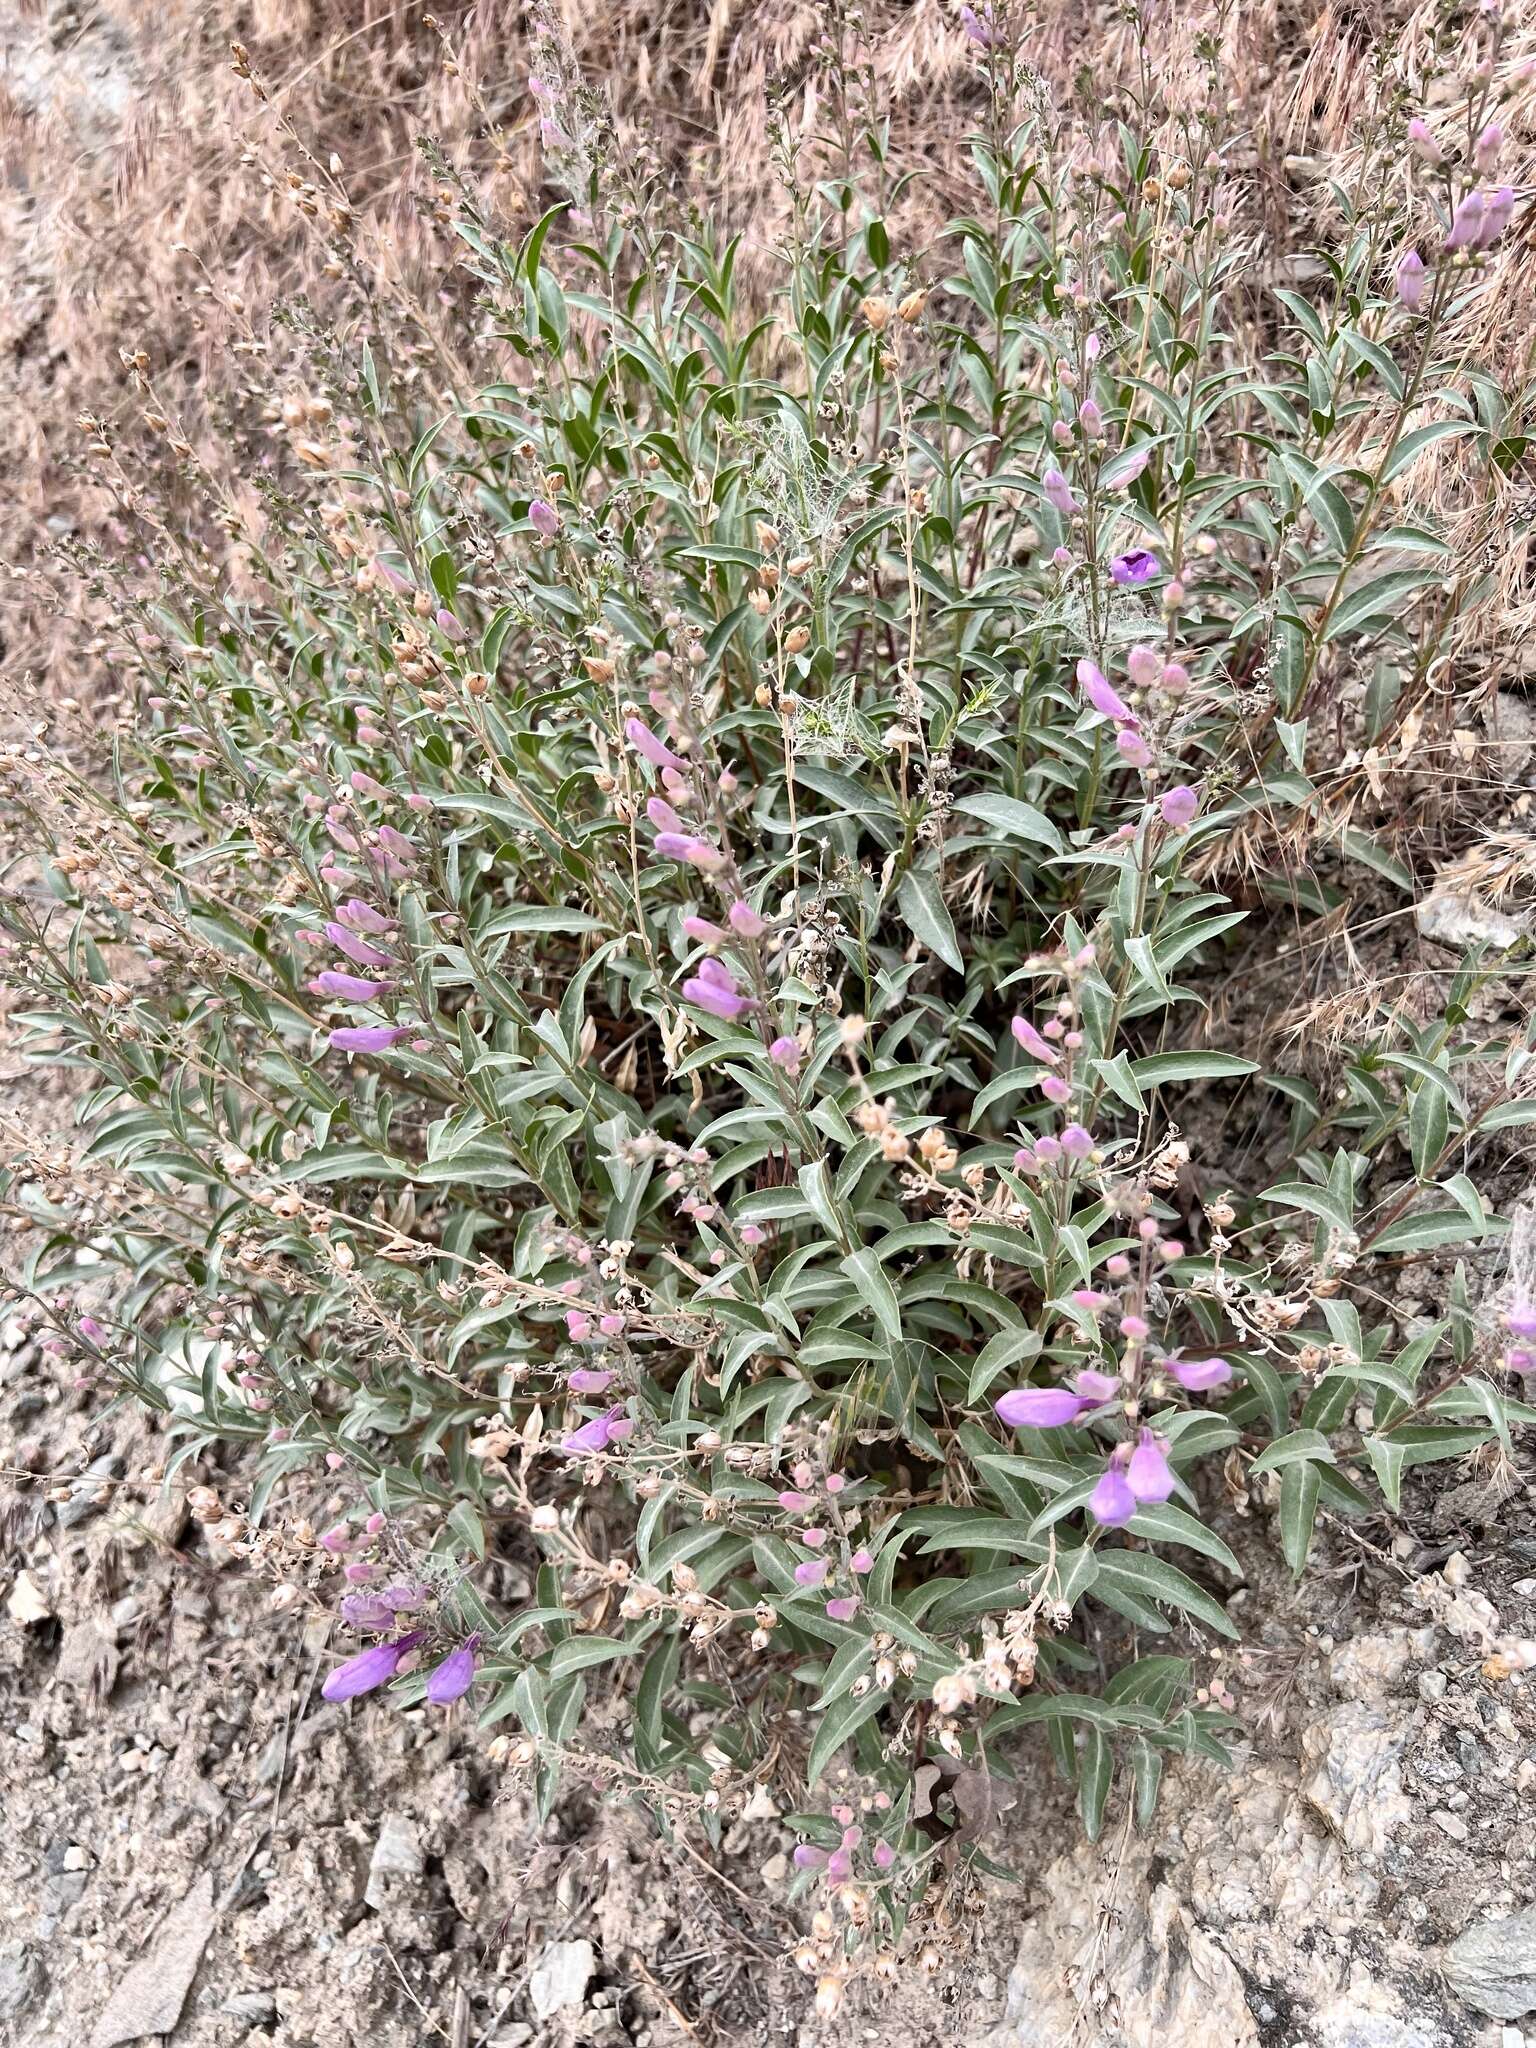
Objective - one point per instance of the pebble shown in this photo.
(558, 1980)
(1450, 1824)
(1432, 1685)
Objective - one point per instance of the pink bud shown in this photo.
(544, 518)
(745, 921)
(1178, 805)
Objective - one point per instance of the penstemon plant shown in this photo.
(628, 962)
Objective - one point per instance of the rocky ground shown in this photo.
(198, 1848)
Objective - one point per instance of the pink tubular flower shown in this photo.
(663, 817)
(397, 582)
(355, 948)
(1485, 151)
(1178, 805)
(812, 1572)
(1149, 1474)
(885, 1855)
(362, 917)
(348, 988)
(720, 998)
(1140, 565)
(1039, 1407)
(862, 1561)
(808, 1857)
(1090, 1298)
(795, 1502)
(785, 1053)
(369, 1669)
(1497, 213)
(368, 1037)
(577, 1325)
(543, 518)
(453, 1677)
(745, 921)
(1467, 223)
(1058, 493)
(1422, 142)
(703, 931)
(843, 1609)
(1032, 1042)
(1096, 1387)
(599, 1433)
(1135, 1328)
(366, 1611)
(1056, 1089)
(1410, 278)
(1106, 700)
(1132, 748)
(1195, 1375)
(368, 785)
(91, 1330)
(1076, 1142)
(655, 750)
(447, 624)
(1112, 1502)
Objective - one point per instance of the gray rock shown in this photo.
(397, 1859)
(1461, 921)
(23, 1980)
(82, 1501)
(1493, 1966)
(1358, 1784)
(148, 1999)
(1342, 2027)
(558, 1980)
(256, 2008)
(1511, 727)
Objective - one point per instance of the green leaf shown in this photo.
(1013, 818)
(1299, 1489)
(1159, 1068)
(840, 1721)
(1382, 598)
(578, 1653)
(1297, 1447)
(922, 905)
(868, 1276)
(1429, 1232)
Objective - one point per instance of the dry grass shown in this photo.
(145, 204)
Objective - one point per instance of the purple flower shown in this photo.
(578, 1325)
(844, 1608)
(1096, 1386)
(1058, 492)
(1105, 699)
(451, 1679)
(599, 1433)
(369, 1669)
(355, 948)
(1410, 278)
(397, 582)
(368, 1037)
(808, 1857)
(697, 853)
(1485, 151)
(1520, 1321)
(91, 1330)
(862, 1561)
(544, 518)
(1132, 748)
(1139, 566)
(362, 917)
(1496, 216)
(366, 1610)
(745, 921)
(349, 988)
(448, 625)
(720, 1000)
(706, 933)
(1467, 223)
(1149, 1474)
(1076, 1142)
(979, 26)
(812, 1572)
(1112, 1502)
(1039, 1407)
(1195, 1375)
(655, 750)
(1033, 1043)
(1179, 804)
(663, 817)
(587, 1380)
(1423, 144)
